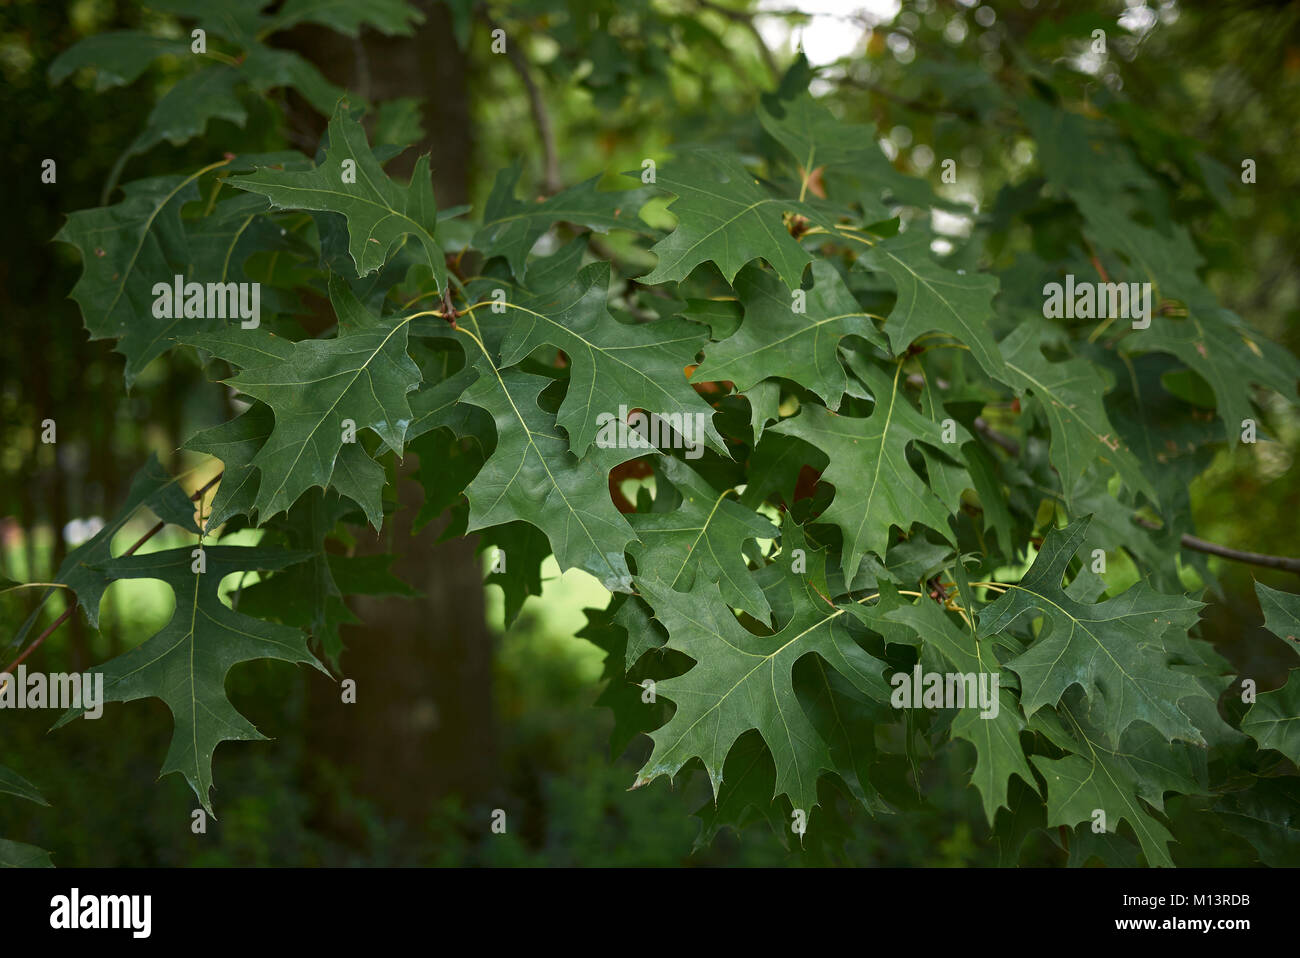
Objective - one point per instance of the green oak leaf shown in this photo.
(946, 471)
(723, 216)
(236, 443)
(1072, 395)
(448, 463)
(265, 68)
(18, 855)
(643, 633)
(702, 536)
(390, 17)
(1281, 614)
(309, 595)
(1166, 258)
(186, 663)
(1274, 720)
(722, 316)
(244, 348)
(777, 466)
(875, 487)
(998, 752)
(932, 298)
(306, 594)
(14, 854)
(236, 228)
(118, 57)
(610, 630)
(380, 213)
(847, 724)
(362, 375)
(1111, 849)
(764, 406)
(358, 477)
(1111, 649)
(237, 20)
(742, 681)
(612, 364)
(812, 134)
(745, 796)
(848, 155)
(520, 548)
(1226, 353)
(1211, 340)
(1113, 530)
(1268, 816)
(532, 476)
(989, 487)
(125, 249)
(511, 227)
(151, 487)
(11, 783)
(437, 404)
(368, 575)
(185, 110)
(774, 340)
(1026, 815)
(1120, 781)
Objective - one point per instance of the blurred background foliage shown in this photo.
(592, 87)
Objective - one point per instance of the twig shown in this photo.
(1008, 444)
(746, 20)
(362, 64)
(67, 613)
(1197, 544)
(551, 182)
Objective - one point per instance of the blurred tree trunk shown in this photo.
(423, 723)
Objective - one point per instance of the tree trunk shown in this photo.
(423, 723)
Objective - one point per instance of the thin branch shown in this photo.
(1009, 445)
(746, 20)
(67, 613)
(1197, 544)
(551, 182)
(362, 64)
